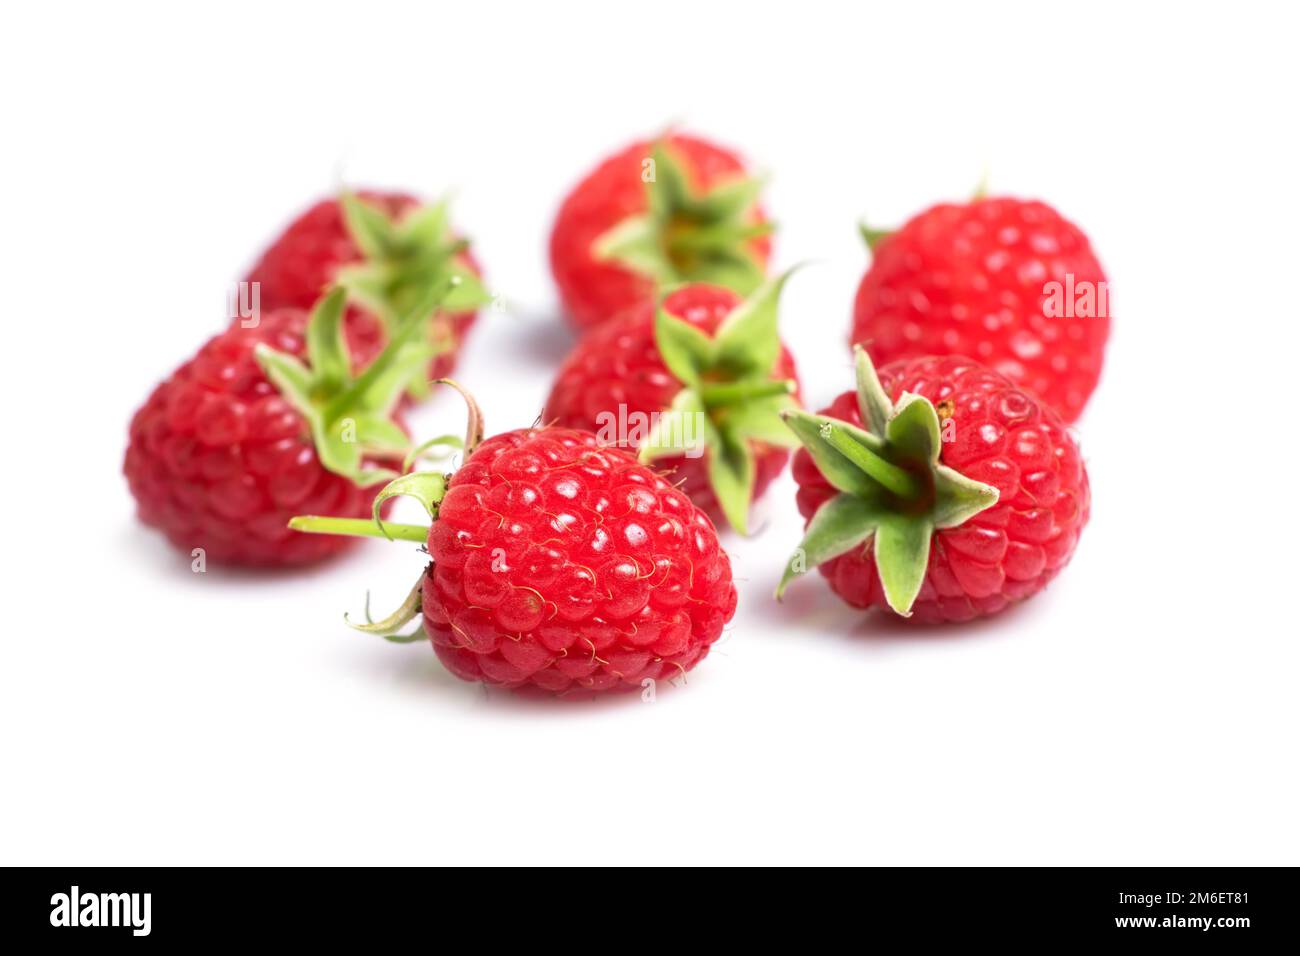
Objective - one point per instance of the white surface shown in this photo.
(1143, 710)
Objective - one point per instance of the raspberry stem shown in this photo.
(359, 528)
(731, 393)
(406, 332)
(898, 480)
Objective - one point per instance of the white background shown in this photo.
(1142, 710)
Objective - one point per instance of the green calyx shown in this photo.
(689, 236)
(403, 260)
(893, 492)
(729, 401)
(351, 416)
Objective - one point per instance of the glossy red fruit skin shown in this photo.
(618, 364)
(564, 566)
(969, 278)
(593, 291)
(300, 265)
(218, 460)
(1003, 436)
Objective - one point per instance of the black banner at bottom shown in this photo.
(132, 907)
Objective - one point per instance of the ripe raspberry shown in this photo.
(621, 377)
(995, 508)
(386, 249)
(222, 455)
(621, 234)
(562, 565)
(1011, 283)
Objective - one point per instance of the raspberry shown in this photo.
(244, 435)
(219, 460)
(558, 564)
(1023, 494)
(978, 279)
(620, 234)
(566, 566)
(618, 374)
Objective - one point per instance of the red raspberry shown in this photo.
(994, 434)
(559, 564)
(977, 279)
(219, 460)
(617, 375)
(222, 455)
(697, 221)
(566, 566)
(317, 249)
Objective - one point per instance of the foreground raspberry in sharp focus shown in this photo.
(679, 209)
(559, 564)
(988, 508)
(1010, 283)
(244, 435)
(738, 377)
(386, 248)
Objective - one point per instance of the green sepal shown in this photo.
(635, 244)
(669, 190)
(814, 433)
(731, 268)
(326, 345)
(840, 525)
(747, 343)
(340, 452)
(914, 429)
(760, 420)
(957, 498)
(468, 294)
(682, 429)
(730, 201)
(902, 556)
(426, 487)
(873, 404)
(891, 470)
(873, 237)
(426, 228)
(290, 376)
(382, 436)
(731, 475)
(687, 351)
(390, 627)
(370, 228)
(689, 236)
